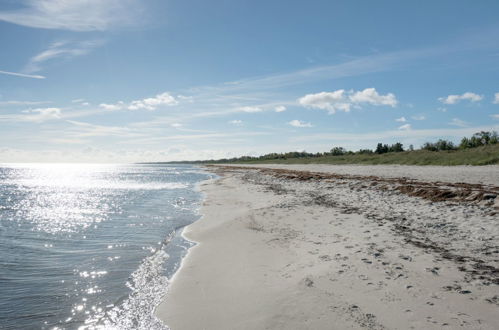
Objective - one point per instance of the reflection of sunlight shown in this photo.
(64, 175)
(81, 176)
(69, 197)
(62, 197)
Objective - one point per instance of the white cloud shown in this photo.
(344, 100)
(236, 122)
(150, 103)
(112, 107)
(458, 122)
(37, 115)
(189, 99)
(48, 111)
(371, 96)
(405, 127)
(496, 98)
(401, 120)
(176, 125)
(496, 116)
(60, 50)
(74, 15)
(330, 101)
(297, 123)
(14, 102)
(23, 75)
(85, 130)
(281, 108)
(250, 109)
(420, 117)
(453, 99)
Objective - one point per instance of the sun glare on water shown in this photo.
(61, 197)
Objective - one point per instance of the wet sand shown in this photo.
(287, 249)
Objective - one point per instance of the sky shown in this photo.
(163, 80)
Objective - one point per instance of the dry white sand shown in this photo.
(469, 174)
(274, 253)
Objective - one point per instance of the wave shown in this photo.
(95, 184)
(148, 286)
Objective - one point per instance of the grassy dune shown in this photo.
(486, 155)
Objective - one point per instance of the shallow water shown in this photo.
(85, 246)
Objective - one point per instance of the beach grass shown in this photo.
(485, 155)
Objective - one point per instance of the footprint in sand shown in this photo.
(325, 258)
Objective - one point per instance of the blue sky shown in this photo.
(160, 80)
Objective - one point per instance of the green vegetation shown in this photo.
(480, 149)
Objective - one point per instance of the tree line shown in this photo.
(479, 139)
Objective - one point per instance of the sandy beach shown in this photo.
(341, 247)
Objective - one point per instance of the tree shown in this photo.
(465, 143)
(444, 145)
(479, 139)
(338, 151)
(397, 147)
(440, 145)
(381, 148)
(429, 146)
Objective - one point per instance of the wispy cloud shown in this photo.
(236, 122)
(401, 120)
(150, 103)
(60, 50)
(405, 127)
(16, 102)
(346, 100)
(458, 122)
(250, 109)
(34, 115)
(356, 67)
(281, 108)
(453, 99)
(496, 98)
(83, 130)
(419, 117)
(361, 65)
(298, 123)
(74, 15)
(269, 92)
(23, 75)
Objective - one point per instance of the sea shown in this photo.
(92, 246)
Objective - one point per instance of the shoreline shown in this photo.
(271, 254)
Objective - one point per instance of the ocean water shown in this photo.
(91, 246)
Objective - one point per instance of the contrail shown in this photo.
(22, 75)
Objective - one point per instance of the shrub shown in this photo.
(338, 151)
(381, 148)
(479, 139)
(440, 145)
(397, 147)
(429, 146)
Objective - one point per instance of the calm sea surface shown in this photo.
(91, 246)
